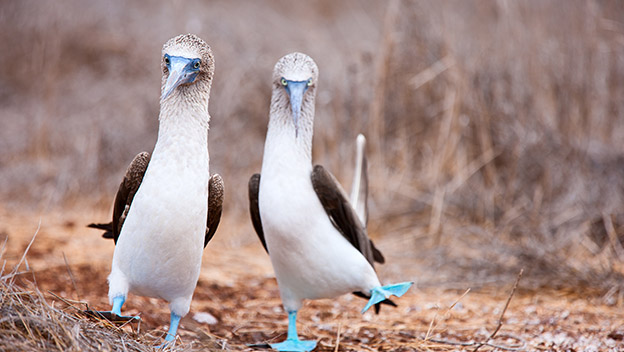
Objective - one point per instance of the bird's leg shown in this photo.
(292, 342)
(173, 329)
(381, 293)
(292, 326)
(115, 313)
(117, 303)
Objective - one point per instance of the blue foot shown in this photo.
(292, 342)
(381, 293)
(115, 314)
(294, 345)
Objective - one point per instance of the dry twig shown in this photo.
(500, 318)
(71, 276)
(338, 337)
(15, 271)
(486, 342)
(433, 327)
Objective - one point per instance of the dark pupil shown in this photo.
(167, 60)
(196, 64)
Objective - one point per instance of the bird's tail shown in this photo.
(359, 187)
(108, 229)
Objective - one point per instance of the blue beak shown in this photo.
(295, 90)
(181, 71)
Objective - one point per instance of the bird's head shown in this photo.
(295, 76)
(187, 62)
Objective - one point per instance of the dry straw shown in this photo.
(31, 323)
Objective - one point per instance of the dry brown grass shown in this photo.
(495, 128)
(29, 323)
(514, 133)
(243, 297)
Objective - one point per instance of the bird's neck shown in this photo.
(285, 145)
(183, 120)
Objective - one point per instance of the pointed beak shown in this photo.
(295, 90)
(181, 71)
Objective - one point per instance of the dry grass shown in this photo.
(40, 307)
(495, 128)
(30, 323)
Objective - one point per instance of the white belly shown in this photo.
(310, 257)
(159, 250)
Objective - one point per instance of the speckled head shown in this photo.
(187, 65)
(295, 67)
(295, 76)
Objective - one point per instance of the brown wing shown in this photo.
(125, 194)
(254, 209)
(216, 190)
(342, 214)
(346, 220)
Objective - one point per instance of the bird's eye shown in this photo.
(283, 81)
(167, 61)
(309, 82)
(196, 64)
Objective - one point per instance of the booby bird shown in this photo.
(168, 207)
(316, 239)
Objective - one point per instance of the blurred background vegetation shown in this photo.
(495, 128)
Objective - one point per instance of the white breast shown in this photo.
(310, 257)
(160, 246)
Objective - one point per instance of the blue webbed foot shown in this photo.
(114, 315)
(294, 345)
(380, 293)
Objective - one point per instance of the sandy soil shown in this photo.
(237, 302)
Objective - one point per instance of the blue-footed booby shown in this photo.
(168, 207)
(316, 238)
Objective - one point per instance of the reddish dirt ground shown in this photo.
(238, 290)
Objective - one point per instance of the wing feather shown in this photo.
(254, 209)
(342, 214)
(216, 189)
(125, 194)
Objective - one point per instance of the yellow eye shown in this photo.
(309, 82)
(196, 65)
(167, 61)
(283, 81)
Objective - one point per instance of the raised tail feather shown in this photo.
(359, 186)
